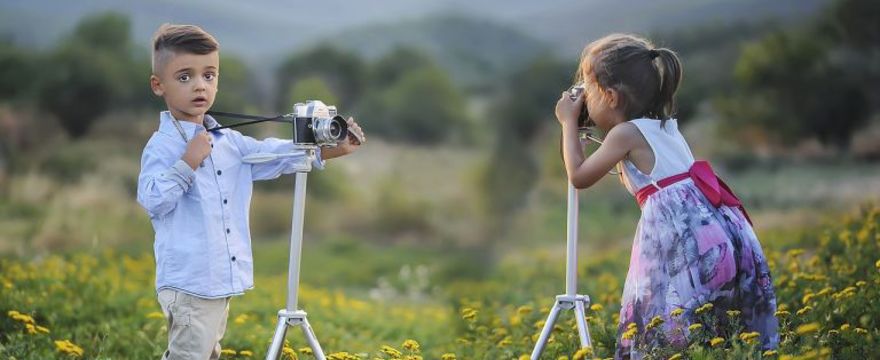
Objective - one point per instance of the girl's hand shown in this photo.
(567, 110)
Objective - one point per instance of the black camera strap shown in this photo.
(253, 119)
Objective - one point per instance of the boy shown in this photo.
(197, 192)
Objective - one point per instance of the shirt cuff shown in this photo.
(182, 174)
(319, 162)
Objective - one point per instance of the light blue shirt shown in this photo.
(203, 244)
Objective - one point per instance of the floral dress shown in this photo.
(687, 253)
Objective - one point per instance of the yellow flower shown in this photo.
(716, 341)
(392, 352)
(246, 353)
(241, 319)
(31, 329)
(288, 353)
(655, 322)
(468, 314)
(706, 307)
(807, 328)
(43, 330)
(805, 310)
(877, 264)
(675, 357)
(769, 353)
(447, 356)
(228, 352)
(629, 334)
(733, 313)
(155, 315)
(844, 327)
(861, 283)
(748, 337)
(411, 345)
(305, 350)
(596, 307)
(583, 353)
(524, 310)
(695, 327)
(505, 342)
(563, 357)
(17, 316)
(808, 297)
(677, 312)
(69, 348)
(861, 331)
(782, 313)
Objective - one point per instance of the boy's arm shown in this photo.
(163, 179)
(274, 168)
(286, 165)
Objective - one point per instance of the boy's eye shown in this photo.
(210, 76)
(183, 77)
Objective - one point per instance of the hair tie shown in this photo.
(653, 54)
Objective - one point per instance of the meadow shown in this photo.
(413, 280)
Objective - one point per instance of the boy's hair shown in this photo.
(646, 77)
(173, 39)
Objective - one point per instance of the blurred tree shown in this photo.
(17, 69)
(798, 83)
(525, 109)
(423, 107)
(343, 72)
(235, 88)
(88, 72)
(311, 88)
(395, 64)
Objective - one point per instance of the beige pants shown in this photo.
(195, 325)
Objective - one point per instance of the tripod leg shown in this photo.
(583, 330)
(277, 339)
(545, 332)
(313, 341)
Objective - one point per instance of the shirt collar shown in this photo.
(166, 125)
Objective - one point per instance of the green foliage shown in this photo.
(343, 72)
(422, 107)
(235, 92)
(88, 73)
(803, 83)
(17, 70)
(311, 88)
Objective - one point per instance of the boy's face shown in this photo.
(188, 82)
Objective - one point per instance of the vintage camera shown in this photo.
(315, 123)
(584, 120)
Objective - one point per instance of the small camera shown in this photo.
(315, 123)
(584, 116)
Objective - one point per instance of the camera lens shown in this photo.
(330, 130)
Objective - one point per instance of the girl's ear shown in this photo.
(613, 98)
(156, 86)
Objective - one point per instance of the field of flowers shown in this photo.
(102, 306)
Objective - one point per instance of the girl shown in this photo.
(694, 244)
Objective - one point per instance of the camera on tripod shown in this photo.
(315, 123)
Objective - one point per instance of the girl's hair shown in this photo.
(646, 77)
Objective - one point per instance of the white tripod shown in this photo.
(291, 315)
(571, 300)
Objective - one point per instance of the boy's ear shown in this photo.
(156, 85)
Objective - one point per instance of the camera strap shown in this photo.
(253, 119)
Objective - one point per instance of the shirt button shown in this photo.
(228, 231)
(219, 172)
(224, 201)
(233, 258)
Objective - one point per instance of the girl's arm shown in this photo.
(584, 172)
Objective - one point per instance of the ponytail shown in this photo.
(669, 71)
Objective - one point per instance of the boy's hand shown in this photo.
(197, 150)
(355, 139)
